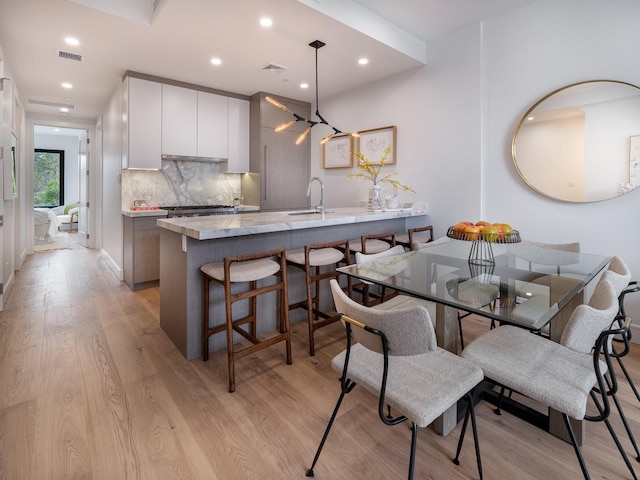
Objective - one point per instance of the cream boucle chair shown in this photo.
(560, 375)
(397, 359)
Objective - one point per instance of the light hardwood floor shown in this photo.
(90, 387)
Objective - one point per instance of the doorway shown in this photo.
(75, 188)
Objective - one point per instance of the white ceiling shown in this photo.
(185, 34)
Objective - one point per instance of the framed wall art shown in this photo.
(372, 143)
(337, 152)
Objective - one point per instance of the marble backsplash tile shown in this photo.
(181, 183)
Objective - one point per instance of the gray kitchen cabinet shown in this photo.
(141, 241)
(141, 129)
(284, 167)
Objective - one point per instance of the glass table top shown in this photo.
(527, 286)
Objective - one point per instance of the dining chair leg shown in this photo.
(326, 434)
(576, 447)
(623, 417)
(628, 377)
(414, 443)
(470, 413)
(612, 432)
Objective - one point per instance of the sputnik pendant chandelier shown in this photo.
(316, 44)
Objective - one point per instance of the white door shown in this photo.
(83, 192)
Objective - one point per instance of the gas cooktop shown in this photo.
(199, 210)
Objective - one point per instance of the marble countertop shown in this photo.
(144, 213)
(224, 226)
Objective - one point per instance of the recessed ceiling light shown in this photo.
(216, 61)
(67, 85)
(363, 61)
(530, 118)
(304, 85)
(64, 109)
(266, 22)
(72, 41)
(56, 129)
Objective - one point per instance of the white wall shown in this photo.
(70, 146)
(456, 117)
(111, 186)
(437, 111)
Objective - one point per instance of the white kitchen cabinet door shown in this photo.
(213, 112)
(141, 108)
(238, 135)
(179, 121)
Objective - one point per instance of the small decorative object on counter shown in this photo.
(373, 172)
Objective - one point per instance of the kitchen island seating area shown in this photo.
(318, 262)
(244, 269)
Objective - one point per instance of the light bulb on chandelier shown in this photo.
(316, 44)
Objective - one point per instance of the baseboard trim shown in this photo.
(112, 265)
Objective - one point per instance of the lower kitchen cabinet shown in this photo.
(141, 252)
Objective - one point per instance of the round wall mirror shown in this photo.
(581, 142)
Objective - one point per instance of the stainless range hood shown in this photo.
(188, 158)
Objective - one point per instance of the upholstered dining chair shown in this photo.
(397, 359)
(623, 286)
(559, 375)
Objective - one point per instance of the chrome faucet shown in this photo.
(321, 206)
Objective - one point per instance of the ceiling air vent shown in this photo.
(51, 104)
(69, 56)
(274, 69)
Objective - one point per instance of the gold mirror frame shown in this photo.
(631, 139)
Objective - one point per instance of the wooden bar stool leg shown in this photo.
(205, 320)
(230, 347)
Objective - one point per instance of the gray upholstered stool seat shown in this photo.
(318, 262)
(243, 272)
(317, 258)
(246, 269)
(372, 246)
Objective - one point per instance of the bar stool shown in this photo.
(329, 255)
(370, 244)
(415, 236)
(246, 269)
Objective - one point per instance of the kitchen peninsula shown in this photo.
(188, 243)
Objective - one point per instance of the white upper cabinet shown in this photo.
(162, 119)
(179, 121)
(213, 128)
(141, 124)
(238, 135)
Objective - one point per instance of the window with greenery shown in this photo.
(48, 178)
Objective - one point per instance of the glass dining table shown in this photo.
(526, 285)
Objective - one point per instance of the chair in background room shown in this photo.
(561, 375)
(397, 359)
